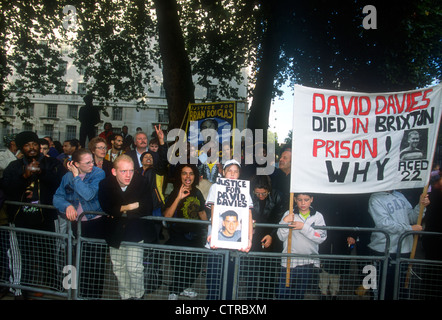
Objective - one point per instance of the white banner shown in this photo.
(350, 142)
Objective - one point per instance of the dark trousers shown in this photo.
(215, 274)
(186, 266)
(86, 132)
(301, 278)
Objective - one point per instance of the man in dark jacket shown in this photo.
(125, 197)
(281, 177)
(34, 180)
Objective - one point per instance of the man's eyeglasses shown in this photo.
(261, 194)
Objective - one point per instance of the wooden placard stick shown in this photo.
(289, 246)
(416, 237)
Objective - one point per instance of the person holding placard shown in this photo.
(231, 171)
(392, 212)
(305, 240)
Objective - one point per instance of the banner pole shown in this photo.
(419, 222)
(289, 246)
(416, 237)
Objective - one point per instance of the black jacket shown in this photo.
(43, 184)
(269, 211)
(126, 227)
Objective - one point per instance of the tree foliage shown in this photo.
(29, 49)
(323, 44)
(115, 45)
(119, 44)
(332, 47)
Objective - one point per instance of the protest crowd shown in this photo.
(129, 178)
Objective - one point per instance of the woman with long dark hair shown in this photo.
(186, 201)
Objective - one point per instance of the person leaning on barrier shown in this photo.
(125, 197)
(267, 208)
(305, 240)
(34, 180)
(78, 193)
(393, 213)
(186, 202)
(231, 170)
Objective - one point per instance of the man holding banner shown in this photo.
(392, 212)
(356, 142)
(352, 142)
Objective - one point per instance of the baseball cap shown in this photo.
(230, 162)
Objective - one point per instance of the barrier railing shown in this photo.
(77, 267)
(419, 278)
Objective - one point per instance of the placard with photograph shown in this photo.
(230, 225)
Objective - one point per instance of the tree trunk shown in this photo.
(177, 74)
(263, 92)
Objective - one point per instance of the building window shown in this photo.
(52, 111)
(63, 67)
(72, 111)
(163, 115)
(48, 130)
(81, 88)
(117, 113)
(81, 70)
(61, 87)
(29, 112)
(28, 127)
(212, 92)
(6, 129)
(9, 109)
(71, 132)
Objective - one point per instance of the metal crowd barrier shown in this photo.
(35, 260)
(419, 278)
(65, 266)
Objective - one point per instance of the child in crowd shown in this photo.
(231, 170)
(305, 240)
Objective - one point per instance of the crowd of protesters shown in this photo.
(127, 177)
